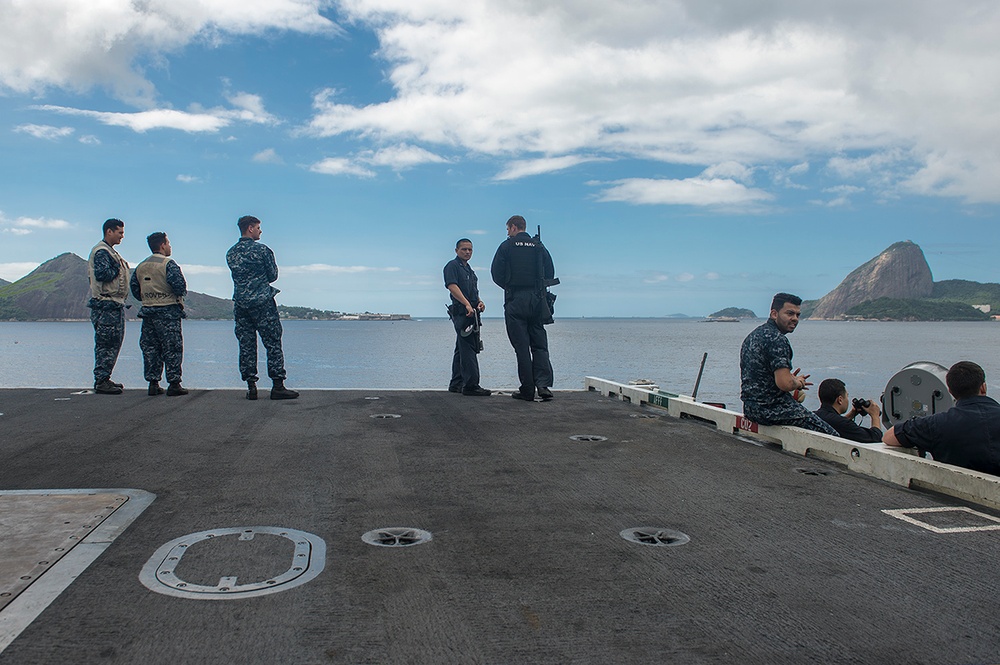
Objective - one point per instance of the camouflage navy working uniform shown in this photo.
(159, 284)
(108, 289)
(766, 350)
(253, 268)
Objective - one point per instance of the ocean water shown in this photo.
(417, 354)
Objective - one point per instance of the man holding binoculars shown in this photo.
(834, 403)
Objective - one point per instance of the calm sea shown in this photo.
(417, 354)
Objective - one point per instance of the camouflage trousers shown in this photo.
(162, 346)
(259, 319)
(109, 331)
(787, 412)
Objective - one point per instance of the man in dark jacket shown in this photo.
(521, 267)
(834, 402)
(967, 434)
(463, 285)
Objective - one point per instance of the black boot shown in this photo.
(175, 388)
(251, 390)
(154, 389)
(279, 391)
(106, 387)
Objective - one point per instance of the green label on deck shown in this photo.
(659, 400)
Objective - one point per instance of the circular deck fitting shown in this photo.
(650, 535)
(307, 560)
(588, 437)
(384, 416)
(396, 537)
(813, 471)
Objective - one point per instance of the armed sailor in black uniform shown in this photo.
(108, 274)
(461, 281)
(522, 267)
(159, 284)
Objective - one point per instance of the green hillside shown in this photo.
(917, 310)
(734, 312)
(971, 293)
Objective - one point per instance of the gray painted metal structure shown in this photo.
(791, 559)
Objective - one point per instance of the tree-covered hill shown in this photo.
(734, 312)
(898, 309)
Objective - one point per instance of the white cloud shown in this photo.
(402, 156)
(799, 169)
(843, 196)
(729, 170)
(187, 179)
(15, 271)
(689, 191)
(712, 276)
(193, 122)
(530, 167)
(24, 225)
(44, 131)
(341, 166)
(144, 121)
(335, 270)
(775, 85)
(249, 108)
(685, 277)
(268, 156)
(194, 269)
(77, 45)
(90, 139)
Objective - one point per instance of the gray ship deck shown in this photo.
(790, 559)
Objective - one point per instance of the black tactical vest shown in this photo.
(523, 263)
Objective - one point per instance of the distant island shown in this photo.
(897, 285)
(309, 314)
(733, 313)
(58, 290)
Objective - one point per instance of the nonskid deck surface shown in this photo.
(790, 560)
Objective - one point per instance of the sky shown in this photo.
(680, 156)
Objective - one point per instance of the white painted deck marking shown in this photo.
(308, 561)
(42, 516)
(905, 515)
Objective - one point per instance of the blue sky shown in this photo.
(680, 156)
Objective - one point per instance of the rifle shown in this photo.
(545, 282)
(550, 298)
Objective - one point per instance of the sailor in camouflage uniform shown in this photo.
(159, 284)
(108, 274)
(253, 268)
(768, 382)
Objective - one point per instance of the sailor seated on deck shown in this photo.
(967, 434)
(767, 380)
(834, 401)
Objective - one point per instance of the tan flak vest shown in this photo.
(152, 276)
(116, 289)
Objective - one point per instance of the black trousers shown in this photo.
(523, 312)
(465, 361)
